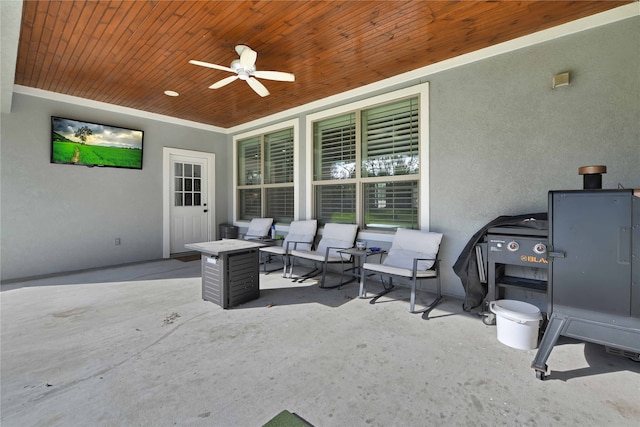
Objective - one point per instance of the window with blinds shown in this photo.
(390, 140)
(336, 203)
(389, 205)
(334, 148)
(266, 162)
(382, 193)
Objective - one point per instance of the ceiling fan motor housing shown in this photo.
(243, 73)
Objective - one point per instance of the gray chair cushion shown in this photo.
(258, 228)
(410, 244)
(341, 236)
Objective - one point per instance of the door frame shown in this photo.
(210, 158)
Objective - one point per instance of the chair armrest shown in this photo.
(341, 255)
(294, 244)
(255, 237)
(435, 266)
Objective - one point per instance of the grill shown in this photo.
(594, 275)
(516, 260)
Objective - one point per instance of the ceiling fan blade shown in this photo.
(275, 75)
(258, 87)
(248, 57)
(223, 82)
(209, 65)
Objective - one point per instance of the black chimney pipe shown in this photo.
(592, 176)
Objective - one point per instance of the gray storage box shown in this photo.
(228, 231)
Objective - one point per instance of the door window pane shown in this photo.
(187, 191)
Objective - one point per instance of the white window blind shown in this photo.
(266, 162)
(390, 205)
(279, 202)
(383, 193)
(335, 148)
(336, 203)
(249, 162)
(249, 203)
(279, 157)
(390, 139)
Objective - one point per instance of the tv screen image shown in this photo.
(76, 142)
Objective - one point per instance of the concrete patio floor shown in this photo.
(137, 346)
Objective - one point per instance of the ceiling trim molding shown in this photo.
(84, 102)
(594, 21)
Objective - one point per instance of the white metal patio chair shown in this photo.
(300, 236)
(413, 256)
(335, 237)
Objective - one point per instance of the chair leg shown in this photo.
(384, 292)
(285, 261)
(412, 303)
(425, 312)
(291, 262)
(324, 274)
(363, 291)
(305, 276)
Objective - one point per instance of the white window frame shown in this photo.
(422, 91)
(293, 123)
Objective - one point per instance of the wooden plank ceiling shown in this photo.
(129, 52)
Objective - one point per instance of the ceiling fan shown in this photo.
(245, 69)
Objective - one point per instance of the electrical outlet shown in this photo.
(117, 241)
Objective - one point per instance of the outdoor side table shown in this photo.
(230, 270)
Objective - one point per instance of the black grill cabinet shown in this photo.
(230, 271)
(594, 274)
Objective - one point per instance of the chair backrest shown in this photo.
(301, 231)
(340, 236)
(409, 244)
(258, 228)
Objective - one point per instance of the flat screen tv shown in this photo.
(74, 142)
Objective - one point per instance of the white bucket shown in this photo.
(517, 323)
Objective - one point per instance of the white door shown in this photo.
(190, 209)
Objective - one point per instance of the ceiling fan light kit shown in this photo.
(245, 69)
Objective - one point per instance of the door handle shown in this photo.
(557, 254)
(206, 210)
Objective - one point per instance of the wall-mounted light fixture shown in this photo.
(561, 79)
